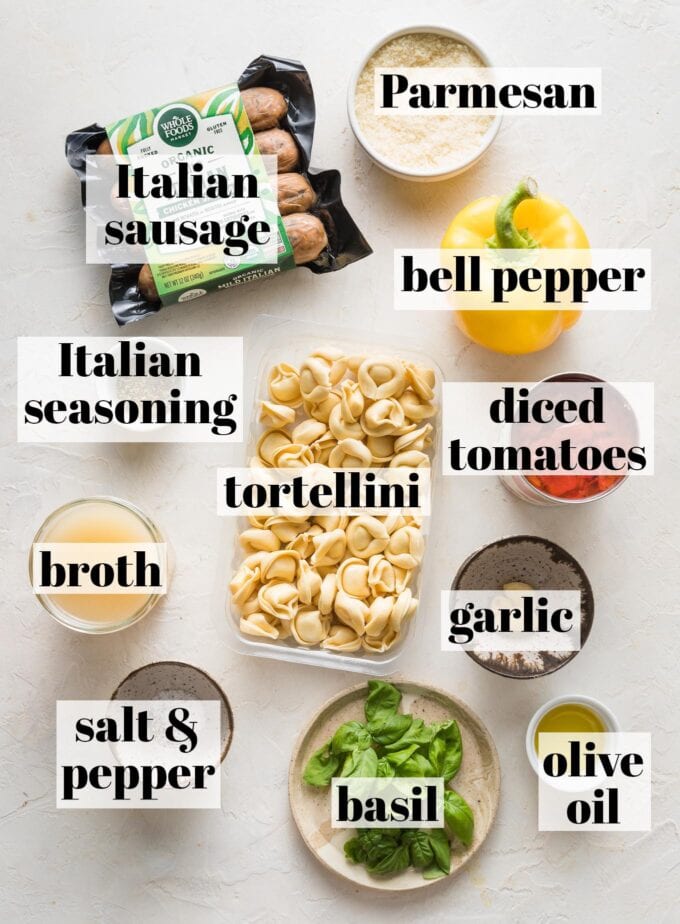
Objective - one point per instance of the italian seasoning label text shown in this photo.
(125, 389)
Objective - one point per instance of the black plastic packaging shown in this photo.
(346, 243)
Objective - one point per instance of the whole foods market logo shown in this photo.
(178, 126)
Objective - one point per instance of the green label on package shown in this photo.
(205, 128)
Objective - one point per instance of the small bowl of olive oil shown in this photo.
(568, 715)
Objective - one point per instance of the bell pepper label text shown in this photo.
(522, 280)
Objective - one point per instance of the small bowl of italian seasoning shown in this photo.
(134, 385)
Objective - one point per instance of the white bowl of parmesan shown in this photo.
(420, 145)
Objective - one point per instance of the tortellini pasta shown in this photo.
(366, 536)
(309, 627)
(343, 427)
(284, 385)
(292, 455)
(350, 453)
(353, 578)
(276, 415)
(381, 577)
(341, 638)
(280, 566)
(309, 432)
(342, 583)
(308, 583)
(329, 548)
(352, 611)
(383, 417)
(381, 448)
(244, 583)
(382, 377)
(259, 624)
(279, 599)
(406, 548)
(419, 439)
(259, 540)
(269, 443)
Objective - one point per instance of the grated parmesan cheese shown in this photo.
(430, 142)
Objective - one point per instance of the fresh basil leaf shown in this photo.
(397, 758)
(378, 845)
(416, 765)
(390, 728)
(417, 733)
(383, 700)
(419, 848)
(458, 817)
(433, 872)
(441, 849)
(385, 768)
(321, 767)
(394, 834)
(361, 762)
(349, 737)
(354, 850)
(394, 862)
(446, 749)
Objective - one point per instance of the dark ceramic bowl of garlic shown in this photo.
(525, 563)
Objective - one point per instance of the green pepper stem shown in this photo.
(507, 236)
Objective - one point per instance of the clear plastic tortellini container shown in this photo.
(284, 345)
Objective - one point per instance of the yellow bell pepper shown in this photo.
(494, 222)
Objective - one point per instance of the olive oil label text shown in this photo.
(594, 781)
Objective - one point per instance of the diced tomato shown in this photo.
(573, 487)
(559, 485)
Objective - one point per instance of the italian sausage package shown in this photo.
(270, 111)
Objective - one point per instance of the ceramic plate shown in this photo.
(478, 781)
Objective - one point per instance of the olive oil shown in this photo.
(570, 718)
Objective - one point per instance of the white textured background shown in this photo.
(73, 62)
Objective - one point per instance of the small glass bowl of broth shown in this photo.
(571, 714)
(93, 520)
